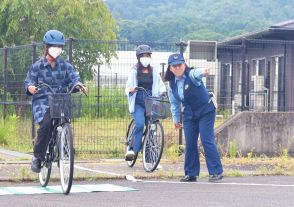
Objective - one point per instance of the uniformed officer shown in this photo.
(58, 74)
(186, 88)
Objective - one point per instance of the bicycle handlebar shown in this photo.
(145, 91)
(141, 89)
(42, 84)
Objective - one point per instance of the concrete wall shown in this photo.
(261, 133)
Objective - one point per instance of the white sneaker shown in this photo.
(158, 167)
(129, 155)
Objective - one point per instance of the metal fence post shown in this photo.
(243, 89)
(98, 90)
(116, 82)
(5, 69)
(34, 57)
(284, 80)
(182, 46)
(232, 79)
(162, 70)
(70, 40)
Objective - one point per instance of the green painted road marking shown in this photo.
(27, 190)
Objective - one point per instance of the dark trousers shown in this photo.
(203, 124)
(44, 135)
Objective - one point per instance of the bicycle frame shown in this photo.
(152, 124)
(60, 147)
(56, 122)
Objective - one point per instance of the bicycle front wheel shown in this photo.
(66, 158)
(153, 146)
(130, 138)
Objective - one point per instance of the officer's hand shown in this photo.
(178, 125)
(32, 89)
(206, 72)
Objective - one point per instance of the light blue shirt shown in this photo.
(158, 87)
(196, 76)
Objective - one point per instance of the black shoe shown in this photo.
(36, 165)
(215, 178)
(188, 178)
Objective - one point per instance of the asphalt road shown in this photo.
(260, 191)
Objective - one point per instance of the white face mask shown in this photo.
(145, 61)
(55, 51)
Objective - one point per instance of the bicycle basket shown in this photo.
(156, 108)
(64, 103)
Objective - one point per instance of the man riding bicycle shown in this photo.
(59, 75)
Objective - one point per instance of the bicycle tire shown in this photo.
(129, 136)
(45, 173)
(66, 158)
(153, 146)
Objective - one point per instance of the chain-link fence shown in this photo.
(104, 67)
(253, 76)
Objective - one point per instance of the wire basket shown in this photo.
(156, 108)
(63, 103)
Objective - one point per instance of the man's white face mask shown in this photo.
(145, 61)
(55, 51)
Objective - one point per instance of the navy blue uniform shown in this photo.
(199, 117)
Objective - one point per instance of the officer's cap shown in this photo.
(176, 59)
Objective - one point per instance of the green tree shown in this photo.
(174, 20)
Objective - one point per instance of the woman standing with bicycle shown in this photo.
(59, 75)
(141, 75)
(186, 88)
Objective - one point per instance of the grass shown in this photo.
(262, 165)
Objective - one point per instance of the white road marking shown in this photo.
(133, 179)
(128, 177)
(97, 171)
(221, 183)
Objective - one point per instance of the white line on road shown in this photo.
(97, 171)
(133, 179)
(220, 183)
(128, 177)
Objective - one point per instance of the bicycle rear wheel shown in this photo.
(153, 146)
(130, 137)
(66, 158)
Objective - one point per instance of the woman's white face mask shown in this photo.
(55, 51)
(145, 61)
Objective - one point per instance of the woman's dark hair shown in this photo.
(168, 75)
(140, 68)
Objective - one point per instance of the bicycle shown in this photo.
(60, 148)
(153, 136)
